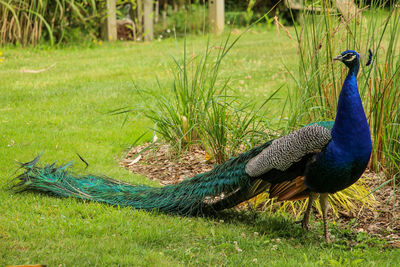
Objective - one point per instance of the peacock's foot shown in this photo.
(305, 225)
(326, 234)
(327, 239)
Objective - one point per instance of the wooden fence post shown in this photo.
(139, 13)
(111, 23)
(348, 9)
(148, 20)
(216, 15)
(164, 14)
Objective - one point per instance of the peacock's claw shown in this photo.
(327, 239)
(305, 225)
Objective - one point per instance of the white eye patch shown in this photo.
(351, 58)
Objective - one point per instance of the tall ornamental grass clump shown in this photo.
(28, 22)
(323, 35)
(201, 109)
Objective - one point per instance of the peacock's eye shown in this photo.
(349, 57)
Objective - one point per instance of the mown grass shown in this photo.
(63, 112)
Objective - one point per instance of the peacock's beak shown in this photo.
(340, 57)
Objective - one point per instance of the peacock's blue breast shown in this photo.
(335, 168)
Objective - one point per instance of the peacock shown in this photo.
(317, 160)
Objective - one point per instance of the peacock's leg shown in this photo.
(324, 202)
(306, 218)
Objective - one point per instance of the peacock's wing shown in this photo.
(282, 164)
(283, 152)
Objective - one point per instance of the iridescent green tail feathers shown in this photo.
(201, 194)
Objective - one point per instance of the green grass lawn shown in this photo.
(62, 111)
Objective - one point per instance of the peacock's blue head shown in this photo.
(350, 58)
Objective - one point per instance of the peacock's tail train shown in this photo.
(223, 187)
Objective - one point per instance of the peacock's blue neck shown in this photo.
(351, 130)
(345, 158)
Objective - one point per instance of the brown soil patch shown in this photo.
(384, 219)
(159, 164)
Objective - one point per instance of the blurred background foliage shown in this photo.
(64, 21)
